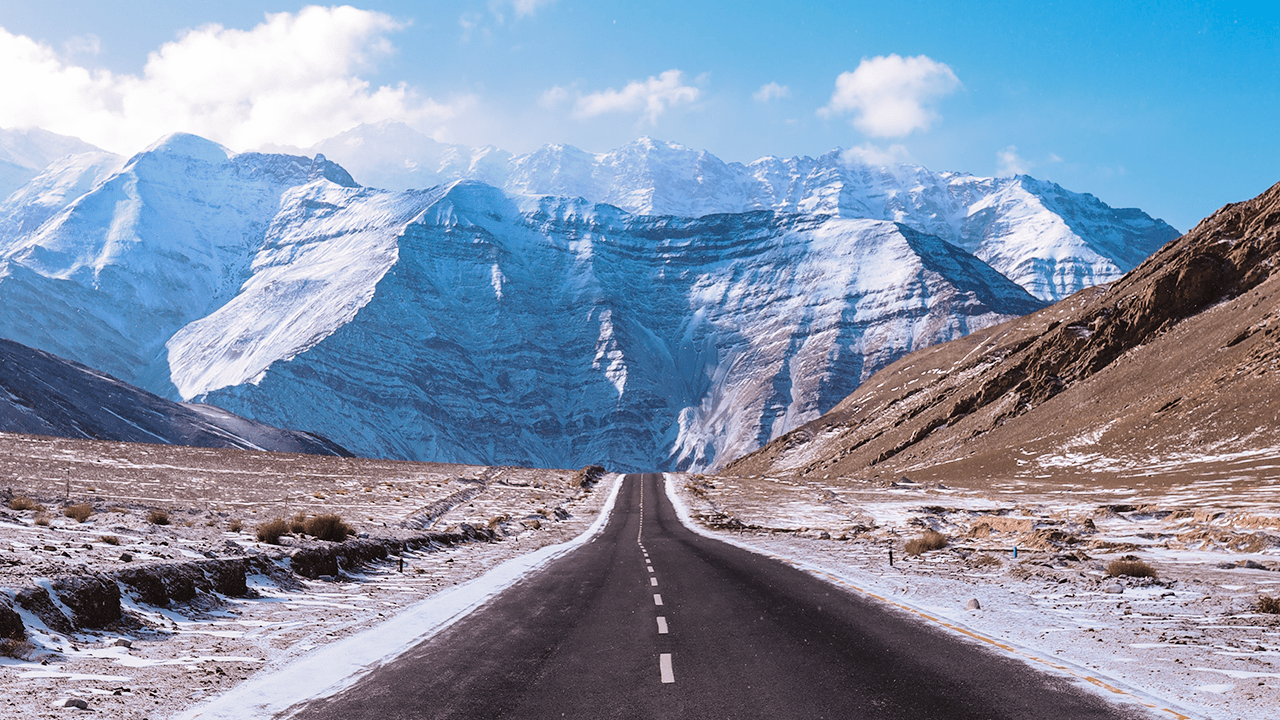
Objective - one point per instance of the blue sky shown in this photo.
(1169, 106)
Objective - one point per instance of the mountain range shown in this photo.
(650, 306)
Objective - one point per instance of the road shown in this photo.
(650, 620)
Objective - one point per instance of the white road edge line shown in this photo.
(1090, 679)
(664, 667)
(332, 668)
(662, 625)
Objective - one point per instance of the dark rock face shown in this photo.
(328, 559)
(11, 627)
(94, 599)
(36, 601)
(161, 584)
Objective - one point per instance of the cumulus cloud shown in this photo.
(875, 155)
(771, 91)
(891, 96)
(293, 79)
(650, 97)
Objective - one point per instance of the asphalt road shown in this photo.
(650, 620)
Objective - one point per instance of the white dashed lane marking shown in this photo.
(653, 581)
(657, 599)
(664, 666)
(662, 626)
(650, 568)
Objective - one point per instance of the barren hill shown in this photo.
(1171, 371)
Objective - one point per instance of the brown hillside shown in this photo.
(1173, 364)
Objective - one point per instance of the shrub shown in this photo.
(235, 525)
(270, 531)
(298, 525)
(79, 512)
(1269, 605)
(22, 502)
(158, 517)
(328, 527)
(984, 560)
(16, 649)
(42, 520)
(1130, 567)
(109, 539)
(930, 540)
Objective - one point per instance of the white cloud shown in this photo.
(1010, 163)
(291, 80)
(651, 97)
(525, 8)
(771, 91)
(891, 96)
(872, 154)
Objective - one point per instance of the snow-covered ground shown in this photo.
(1189, 644)
(184, 654)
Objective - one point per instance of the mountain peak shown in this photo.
(190, 146)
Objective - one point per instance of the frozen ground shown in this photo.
(1190, 644)
(188, 652)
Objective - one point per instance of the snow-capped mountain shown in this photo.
(24, 152)
(1051, 241)
(572, 332)
(42, 394)
(164, 241)
(534, 325)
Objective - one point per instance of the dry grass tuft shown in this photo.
(42, 520)
(984, 560)
(298, 524)
(328, 527)
(79, 512)
(109, 539)
(270, 531)
(930, 540)
(1269, 605)
(158, 517)
(235, 525)
(1130, 567)
(22, 502)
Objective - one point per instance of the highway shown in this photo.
(650, 620)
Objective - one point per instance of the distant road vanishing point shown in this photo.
(650, 620)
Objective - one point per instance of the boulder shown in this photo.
(11, 627)
(973, 604)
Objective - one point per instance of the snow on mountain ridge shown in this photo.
(653, 177)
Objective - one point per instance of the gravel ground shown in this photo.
(1191, 640)
(184, 653)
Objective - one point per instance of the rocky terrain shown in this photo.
(1168, 371)
(159, 591)
(1026, 568)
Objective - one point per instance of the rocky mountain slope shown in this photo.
(1172, 367)
(469, 324)
(42, 394)
(573, 331)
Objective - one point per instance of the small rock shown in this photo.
(126, 557)
(973, 604)
(1113, 589)
(824, 535)
(76, 703)
(1252, 565)
(121, 642)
